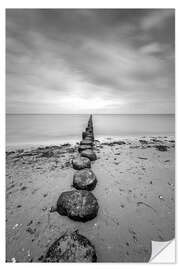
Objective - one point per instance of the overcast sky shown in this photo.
(90, 61)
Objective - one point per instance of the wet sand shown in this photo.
(135, 192)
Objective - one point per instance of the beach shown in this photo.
(90, 144)
(135, 192)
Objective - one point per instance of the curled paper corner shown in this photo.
(163, 252)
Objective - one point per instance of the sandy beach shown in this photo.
(135, 192)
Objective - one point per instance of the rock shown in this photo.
(143, 141)
(158, 141)
(71, 247)
(161, 148)
(79, 205)
(161, 197)
(84, 147)
(86, 142)
(119, 143)
(66, 144)
(24, 188)
(81, 163)
(114, 143)
(84, 179)
(89, 154)
(84, 134)
(30, 230)
(30, 223)
(47, 154)
(89, 137)
(89, 130)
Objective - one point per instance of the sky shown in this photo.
(115, 61)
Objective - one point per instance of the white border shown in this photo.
(73, 4)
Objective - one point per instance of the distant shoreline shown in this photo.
(74, 141)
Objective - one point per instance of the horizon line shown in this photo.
(89, 113)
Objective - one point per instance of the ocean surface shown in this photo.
(35, 129)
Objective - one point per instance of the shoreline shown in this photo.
(74, 141)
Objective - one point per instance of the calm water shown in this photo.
(42, 129)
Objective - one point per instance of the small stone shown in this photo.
(30, 223)
(23, 188)
(161, 148)
(71, 247)
(41, 258)
(81, 163)
(15, 226)
(84, 179)
(53, 209)
(161, 197)
(143, 141)
(30, 230)
(47, 153)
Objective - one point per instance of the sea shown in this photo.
(44, 129)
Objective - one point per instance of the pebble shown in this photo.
(16, 225)
(161, 197)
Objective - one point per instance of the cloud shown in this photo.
(156, 19)
(76, 61)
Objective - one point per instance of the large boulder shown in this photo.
(87, 142)
(88, 153)
(79, 205)
(84, 179)
(84, 147)
(71, 247)
(80, 163)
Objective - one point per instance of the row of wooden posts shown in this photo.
(78, 204)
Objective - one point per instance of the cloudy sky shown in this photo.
(90, 61)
